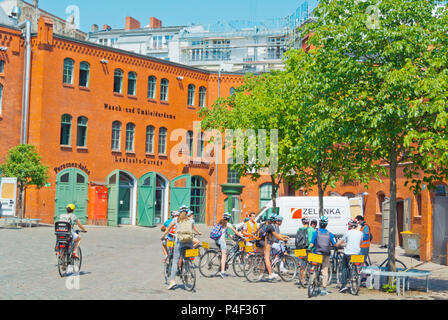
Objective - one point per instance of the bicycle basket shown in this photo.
(357, 259)
(62, 227)
(316, 258)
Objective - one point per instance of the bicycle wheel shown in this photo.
(62, 263)
(167, 268)
(210, 263)
(238, 264)
(254, 268)
(287, 268)
(314, 283)
(188, 275)
(338, 271)
(355, 280)
(77, 262)
(304, 274)
(330, 275)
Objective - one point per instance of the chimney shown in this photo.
(155, 23)
(95, 28)
(45, 33)
(131, 24)
(106, 27)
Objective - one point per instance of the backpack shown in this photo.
(185, 232)
(302, 239)
(261, 232)
(216, 232)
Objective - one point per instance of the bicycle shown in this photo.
(354, 273)
(316, 261)
(64, 249)
(210, 262)
(169, 260)
(336, 266)
(303, 268)
(255, 265)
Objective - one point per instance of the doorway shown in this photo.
(152, 199)
(121, 206)
(440, 225)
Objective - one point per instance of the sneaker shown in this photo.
(343, 290)
(324, 292)
(171, 285)
(222, 275)
(260, 277)
(273, 276)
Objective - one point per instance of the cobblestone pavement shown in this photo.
(126, 263)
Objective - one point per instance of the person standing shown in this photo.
(352, 238)
(366, 236)
(321, 244)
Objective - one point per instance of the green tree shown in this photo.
(397, 53)
(24, 163)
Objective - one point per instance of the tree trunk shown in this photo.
(275, 187)
(393, 209)
(21, 189)
(321, 192)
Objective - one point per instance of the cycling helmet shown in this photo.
(227, 216)
(279, 218)
(314, 222)
(175, 213)
(353, 223)
(305, 221)
(183, 208)
(71, 207)
(323, 222)
(246, 220)
(190, 213)
(273, 217)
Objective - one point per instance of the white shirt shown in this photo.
(353, 240)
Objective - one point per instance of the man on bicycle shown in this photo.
(305, 231)
(352, 238)
(171, 236)
(321, 244)
(71, 218)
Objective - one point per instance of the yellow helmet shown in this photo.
(71, 207)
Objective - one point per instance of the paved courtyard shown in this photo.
(126, 263)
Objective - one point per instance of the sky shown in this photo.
(171, 12)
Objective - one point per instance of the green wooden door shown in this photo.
(72, 187)
(112, 202)
(124, 204)
(146, 199)
(180, 192)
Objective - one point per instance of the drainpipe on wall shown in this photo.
(26, 82)
(216, 160)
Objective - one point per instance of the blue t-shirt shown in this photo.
(167, 224)
(314, 240)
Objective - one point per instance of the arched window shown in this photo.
(66, 129)
(1, 99)
(118, 81)
(191, 94)
(202, 96)
(132, 84)
(81, 140)
(84, 71)
(349, 195)
(232, 91)
(130, 137)
(190, 138)
(266, 194)
(162, 140)
(381, 198)
(198, 198)
(164, 90)
(152, 87)
(69, 65)
(116, 136)
(150, 139)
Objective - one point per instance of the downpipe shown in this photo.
(26, 81)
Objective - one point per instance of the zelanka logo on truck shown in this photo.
(312, 212)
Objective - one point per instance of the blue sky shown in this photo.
(171, 12)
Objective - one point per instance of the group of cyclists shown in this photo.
(266, 238)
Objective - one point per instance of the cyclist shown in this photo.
(352, 238)
(304, 235)
(71, 218)
(190, 215)
(321, 244)
(249, 229)
(221, 242)
(266, 236)
(184, 241)
(314, 224)
(171, 236)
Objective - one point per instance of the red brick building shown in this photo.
(102, 120)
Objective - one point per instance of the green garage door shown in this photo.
(72, 187)
(146, 195)
(180, 192)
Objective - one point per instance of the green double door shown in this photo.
(152, 192)
(72, 187)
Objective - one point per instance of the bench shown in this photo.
(17, 221)
(401, 275)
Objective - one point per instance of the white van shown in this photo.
(293, 209)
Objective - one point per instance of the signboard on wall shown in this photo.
(8, 194)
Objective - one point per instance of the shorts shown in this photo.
(276, 248)
(260, 243)
(365, 251)
(74, 236)
(221, 243)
